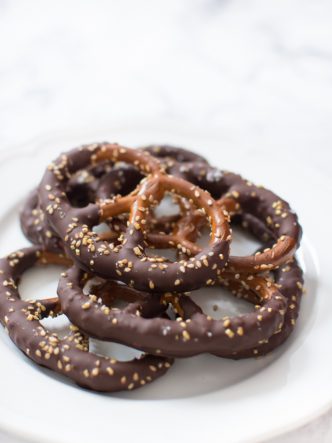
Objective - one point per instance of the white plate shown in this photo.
(203, 397)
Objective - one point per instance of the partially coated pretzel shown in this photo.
(127, 261)
(240, 196)
(70, 355)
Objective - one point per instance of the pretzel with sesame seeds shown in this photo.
(239, 196)
(103, 182)
(70, 355)
(288, 278)
(127, 261)
(195, 334)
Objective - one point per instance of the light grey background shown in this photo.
(258, 70)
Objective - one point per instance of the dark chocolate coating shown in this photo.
(194, 335)
(74, 225)
(36, 227)
(70, 355)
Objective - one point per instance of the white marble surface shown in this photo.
(259, 70)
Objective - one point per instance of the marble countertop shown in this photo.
(258, 70)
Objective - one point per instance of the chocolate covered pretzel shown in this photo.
(127, 261)
(193, 335)
(70, 355)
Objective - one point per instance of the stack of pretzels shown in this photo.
(94, 212)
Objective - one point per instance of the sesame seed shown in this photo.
(239, 330)
(95, 372)
(110, 371)
(229, 333)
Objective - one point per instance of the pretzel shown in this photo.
(237, 195)
(177, 338)
(127, 261)
(288, 278)
(70, 355)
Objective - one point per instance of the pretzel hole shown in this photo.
(80, 195)
(203, 238)
(59, 325)
(113, 294)
(102, 228)
(167, 253)
(36, 284)
(110, 232)
(167, 207)
(243, 243)
(219, 302)
(113, 350)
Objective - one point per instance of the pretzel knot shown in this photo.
(126, 259)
